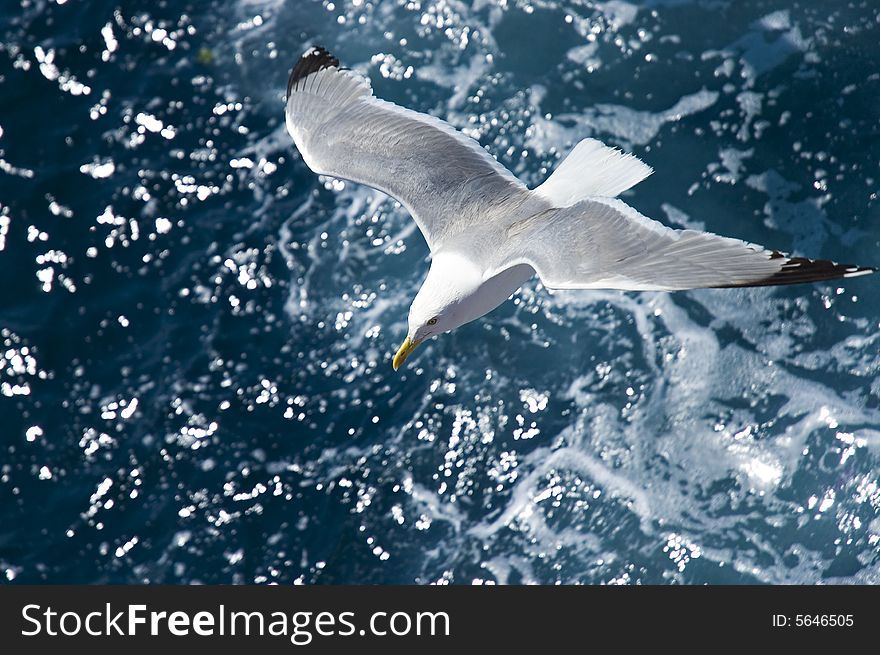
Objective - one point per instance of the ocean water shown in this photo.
(195, 372)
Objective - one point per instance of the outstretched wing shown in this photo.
(603, 243)
(443, 178)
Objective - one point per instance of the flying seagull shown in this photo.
(489, 233)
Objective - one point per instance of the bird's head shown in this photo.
(441, 305)
(422, 325)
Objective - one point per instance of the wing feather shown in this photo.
(603, 243)
(443, 177)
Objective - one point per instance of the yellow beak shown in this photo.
(403, 352)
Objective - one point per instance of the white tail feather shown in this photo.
(592, 169)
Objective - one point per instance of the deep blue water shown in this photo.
(195, 377)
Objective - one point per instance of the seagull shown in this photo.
(488, 233)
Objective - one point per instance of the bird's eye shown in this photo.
(432, 321)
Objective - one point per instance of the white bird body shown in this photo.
(459, 287)
(488, 233)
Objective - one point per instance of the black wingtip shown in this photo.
(799, 270)
(314, 59)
